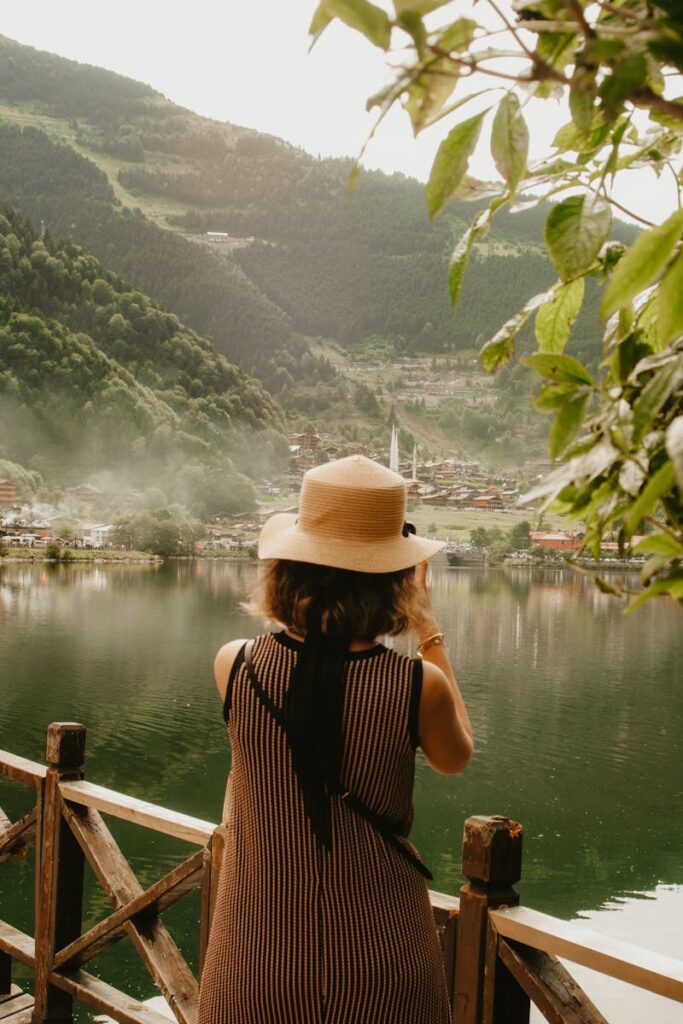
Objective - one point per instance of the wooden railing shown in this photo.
(499, 957)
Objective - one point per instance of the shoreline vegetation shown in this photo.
(102, 556)
(68, 556)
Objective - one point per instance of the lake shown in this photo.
(577, 711)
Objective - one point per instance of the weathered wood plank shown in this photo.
(130, 808)
(14, 990)
(15, 836)
(662, 975)
(549, 985)
(21, 1016)
(59, 880)
(105, 998)
(17, 944)
(154, 944)
(443, 907)
(162, 894)
(20, 769)
(21, 1001)
(213, 858)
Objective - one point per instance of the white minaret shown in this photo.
(415, 461)
(393, 450)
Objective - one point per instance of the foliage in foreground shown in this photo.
(617, 432)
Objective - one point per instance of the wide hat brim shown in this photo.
(283, 537)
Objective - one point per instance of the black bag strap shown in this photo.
(384, 827)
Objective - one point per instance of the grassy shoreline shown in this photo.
(76, 557)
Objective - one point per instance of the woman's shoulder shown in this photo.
(223, 664)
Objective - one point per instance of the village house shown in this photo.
(97, 535)
(558, 541)
(84, 494)
(8, 492)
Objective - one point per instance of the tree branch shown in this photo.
(649, 99)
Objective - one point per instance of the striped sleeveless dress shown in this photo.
(306, 935)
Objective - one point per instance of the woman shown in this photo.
(322, 913)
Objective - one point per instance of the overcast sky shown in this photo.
(248, 62)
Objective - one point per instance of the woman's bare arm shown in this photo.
(444, 724)
(223, 662)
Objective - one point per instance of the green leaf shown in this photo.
(319, 22)
(561, 368)
(428, 93)
(674, 448)
(418, 6)
(510, 140)
(654, 395)
(642, 264)
(662, 481)
(570, 137)
(461, 254)
(365, 17)
(450, 164)
(502, 345)
(670, 303)
(575, 231)
(567, 423)
(554, 320)
(582, 97)
(458, 36)
(628, 77)
(659, 544)
(552, 396)
(671, 585)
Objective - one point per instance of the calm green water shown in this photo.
(577, 710)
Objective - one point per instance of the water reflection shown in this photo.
(576, 708)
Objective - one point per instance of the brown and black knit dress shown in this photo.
(303, 934)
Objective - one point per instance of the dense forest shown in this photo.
(323, 263)
(96, 378)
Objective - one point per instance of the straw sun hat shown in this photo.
(351, 516)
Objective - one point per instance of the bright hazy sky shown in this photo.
(248, 62)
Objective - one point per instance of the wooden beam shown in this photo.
(59, 878)
(213, 858)
(651, 971)
(154, 944)
(20, 769)
(18, 945)
(491, 861)
(444, 907)
(105, 998)
(14, 838)
(182, 879)
(504, 1001)
(130, 808)
(549, 985)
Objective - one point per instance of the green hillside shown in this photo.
(96, 378)
(318, 262)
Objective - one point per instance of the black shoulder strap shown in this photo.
(385, 828)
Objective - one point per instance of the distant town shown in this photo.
(85, 518)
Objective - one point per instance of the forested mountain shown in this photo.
(96, 378)
(320, 262)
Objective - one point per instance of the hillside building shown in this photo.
(8, 492)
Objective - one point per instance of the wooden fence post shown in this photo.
(59, 872)
(492, 862)
(213, 857)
